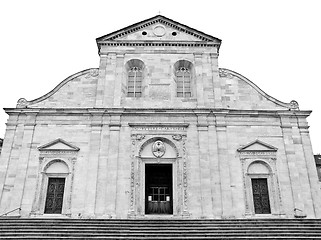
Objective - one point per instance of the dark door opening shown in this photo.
(261, 196)
(55, 195)
(158, 189)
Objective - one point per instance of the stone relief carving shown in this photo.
(132, 186)
(158, 149)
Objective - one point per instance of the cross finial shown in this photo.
(159, 13)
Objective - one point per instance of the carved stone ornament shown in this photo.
(158, 149)
(224, 73)
(22, 103)
(177, 137)
(294, 104)
(140, 137)
(92, 73)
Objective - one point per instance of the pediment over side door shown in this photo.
(58, 145)
(257, 146)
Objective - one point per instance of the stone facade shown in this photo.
(218, 140)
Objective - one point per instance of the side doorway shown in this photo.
(55, 195)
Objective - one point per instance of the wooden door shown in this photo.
(55, 195)
(261, 196)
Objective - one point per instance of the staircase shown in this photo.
(159, 229)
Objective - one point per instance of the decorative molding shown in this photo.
(158, 44)
(156, 138)
(159, 126)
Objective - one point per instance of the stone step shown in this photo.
(159, 229)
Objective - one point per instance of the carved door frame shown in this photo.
(179, 169)
(38, 207)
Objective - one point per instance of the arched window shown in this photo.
(183, 73)
(134, 77)
(183, 76)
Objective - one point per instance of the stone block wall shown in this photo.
(210, 171)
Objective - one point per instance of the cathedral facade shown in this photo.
(158, 130)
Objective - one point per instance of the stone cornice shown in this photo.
(156, 111)
(159, 44)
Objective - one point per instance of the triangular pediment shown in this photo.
(158, 28)
(58, 145)
(257, 146)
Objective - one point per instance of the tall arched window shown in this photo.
(135, 70)
(183, 73)
(183, 76)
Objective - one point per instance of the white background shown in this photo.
(275, 43)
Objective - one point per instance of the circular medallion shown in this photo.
(159, 31)
(158, 149)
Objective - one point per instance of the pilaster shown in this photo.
(24, 156)
(204, 166)
(199, 79)
(102, 167)
(294, 174)
(224, 168)
(101, 81)
(311, 171)
(216, 81)
(112, 164)
(194, 169)
(118, 79)
(92, 163)
(5, 161)
(109, 87)
(214, 168)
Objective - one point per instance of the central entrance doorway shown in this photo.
(158, 189)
